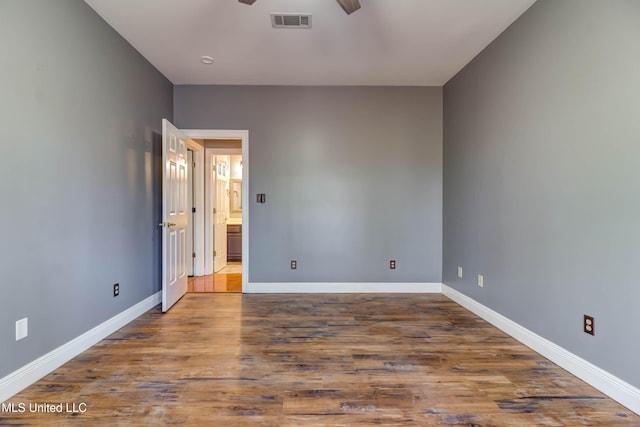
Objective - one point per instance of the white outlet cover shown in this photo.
(481, 280)
(460, 272)
(22, 328)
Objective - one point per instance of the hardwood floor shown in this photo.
(315, 360)
(229, 279)
(215, 283)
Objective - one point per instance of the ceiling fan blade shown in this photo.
(249, 2)
(349, 6)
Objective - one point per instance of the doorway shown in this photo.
(224, 220)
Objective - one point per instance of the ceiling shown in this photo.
(386, 42)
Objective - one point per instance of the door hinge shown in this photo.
(193, 210)
(193, 164)
(215, 210)
(193, 255)
(215, 253)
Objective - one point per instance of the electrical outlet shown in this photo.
(116, 289)
(589, 325)
(294, 264)
(392, 264)
(22, 328)
(460, 272)
(481, 280)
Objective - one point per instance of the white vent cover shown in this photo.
(291, 20)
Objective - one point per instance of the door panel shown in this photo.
(174, 215)
(190, 215)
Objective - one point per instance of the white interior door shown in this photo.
(174, 215)
(190, 215)
(221, 211)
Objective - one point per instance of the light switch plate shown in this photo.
(481, 280)
(22, 328)
(460, 272)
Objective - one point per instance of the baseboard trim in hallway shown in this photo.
(32, 372)
(341, 288)
(617, 389)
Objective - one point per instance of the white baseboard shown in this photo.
(602, 380)
(341, 288)
(29, 374)
(609, 384)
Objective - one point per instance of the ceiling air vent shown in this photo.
(291, 20)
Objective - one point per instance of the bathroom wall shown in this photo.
(236, 174)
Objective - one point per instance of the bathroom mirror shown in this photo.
(235, 195)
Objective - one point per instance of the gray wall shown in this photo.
(542, 177)
(353, 177)
(78, 184)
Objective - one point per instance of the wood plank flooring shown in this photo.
(215, 283)
(315, 360)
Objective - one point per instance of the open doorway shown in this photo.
(234, 217)
(225, 219)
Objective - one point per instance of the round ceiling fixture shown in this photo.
(207, 60)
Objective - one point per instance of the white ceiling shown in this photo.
(386, 42)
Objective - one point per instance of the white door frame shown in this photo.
(190, 245)
(243, 135)
(198, 202)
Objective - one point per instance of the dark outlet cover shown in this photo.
(116, 289)
(589, 325)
